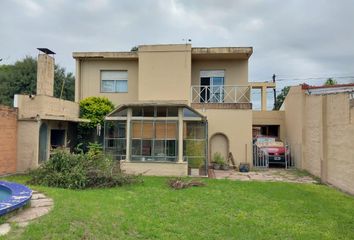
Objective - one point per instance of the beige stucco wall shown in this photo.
(90, 79)
(155, 168)
(41, 105)
(293, 116)
(164, 72)
(312, 144)
(340, 142)
(323, 127)
(237, 126)
(236, 70)
(270, 118)
(27, 145)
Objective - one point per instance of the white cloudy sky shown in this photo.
(293, 39)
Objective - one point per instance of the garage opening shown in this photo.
(265, 130)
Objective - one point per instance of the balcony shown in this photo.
(221, 96)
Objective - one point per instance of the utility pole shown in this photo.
(275, 93)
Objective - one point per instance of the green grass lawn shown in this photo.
(221, 210)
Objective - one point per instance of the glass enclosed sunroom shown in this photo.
(157, 139)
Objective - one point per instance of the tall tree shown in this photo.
(281, 98)
(330, 82)
(21, 78)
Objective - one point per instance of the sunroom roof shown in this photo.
(152, 104)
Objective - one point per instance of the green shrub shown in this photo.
(218, 159)
(77, 171)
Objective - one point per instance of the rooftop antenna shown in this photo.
(187, 40)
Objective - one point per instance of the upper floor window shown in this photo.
(114, 81)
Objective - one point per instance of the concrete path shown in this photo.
(39, 206)
(271, 174)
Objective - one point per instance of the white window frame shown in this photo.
(121, 76)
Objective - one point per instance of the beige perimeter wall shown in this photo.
(320, 130)
(8, 139)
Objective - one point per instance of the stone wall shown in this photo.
(8, 139)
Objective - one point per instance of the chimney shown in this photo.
(45, 72)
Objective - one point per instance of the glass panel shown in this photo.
(172, 112)
(171, 148)
(137, 111)
(161, 111)
(146, 147)
(122, 86)
(148, 131)
(114, 75)
(136, 147)
(121, 129)
(149, 111)
(159, 148)
(217, 91)
(194, 130)
(107, 86)
(136, 129)
(121, 113)
(115, 129)
(218, 81)
(171, 130)
(189, 113)
(160, 130)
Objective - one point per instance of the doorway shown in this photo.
(57, 138)
(43, 143)
(219, 143)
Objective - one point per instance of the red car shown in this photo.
(273, 148)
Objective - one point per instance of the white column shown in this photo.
(180, 135)
(128, 136)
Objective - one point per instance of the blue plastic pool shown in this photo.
(4, 193)
(13, 196)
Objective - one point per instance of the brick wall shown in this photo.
(8, 139)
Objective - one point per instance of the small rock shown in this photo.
(29, 214)
(42, 202)
(4, 229)
(38, 196)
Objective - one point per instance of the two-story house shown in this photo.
(176, 105)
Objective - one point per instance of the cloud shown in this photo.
(290, 38)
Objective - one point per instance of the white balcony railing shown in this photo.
(220, 94)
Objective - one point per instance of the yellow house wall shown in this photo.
(237, 126)
(236, 71)
(90, 76)
(164, 72)
(45, 105)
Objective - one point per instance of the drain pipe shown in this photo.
(274, 92)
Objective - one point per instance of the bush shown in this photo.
(78, 171)
(218, 159)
